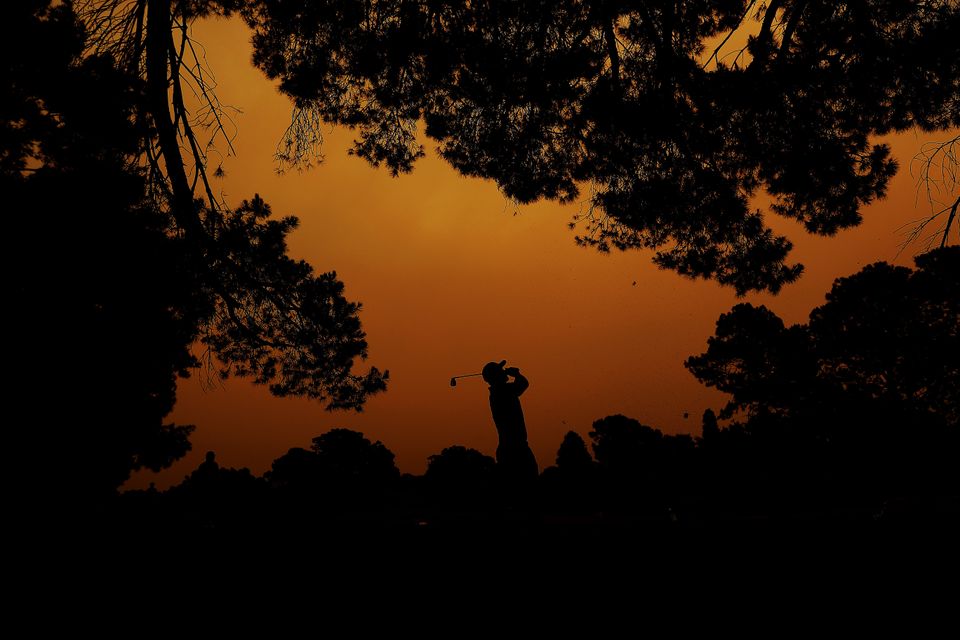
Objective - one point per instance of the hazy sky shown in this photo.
(452, 275)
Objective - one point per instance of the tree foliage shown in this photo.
(271, 318)
(341, 470)
(650, 105)
(572, 456)
(112, 289)
(460, 475)
(883, 346)
(277, 322)
(544, 97)
(348, 456)
(859, 403)
(104, 301)
(460, 465)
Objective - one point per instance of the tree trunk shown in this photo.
(159, 51)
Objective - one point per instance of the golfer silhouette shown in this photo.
(515, 461)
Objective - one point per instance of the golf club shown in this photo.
(453, 380)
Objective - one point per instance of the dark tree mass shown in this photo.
(673, 115)
(887, 337)
(105, 302)
(865, 397)
(631, 98)
(111, 290)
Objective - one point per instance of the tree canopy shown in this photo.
(460, 475)
(863, 399)
(673, 115)
(105, 304)
(883, 347)
(674, 141)
(342, 469)
(112, 291)
(272, 318)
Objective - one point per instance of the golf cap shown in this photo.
(492, 370)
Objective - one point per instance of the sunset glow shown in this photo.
(451, 275)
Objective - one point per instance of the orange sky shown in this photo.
(451, 275)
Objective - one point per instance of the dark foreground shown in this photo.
(465, 572)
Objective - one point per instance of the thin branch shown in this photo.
(950, 219)
(733, 30)
(938, 177)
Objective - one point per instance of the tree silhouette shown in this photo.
(623, 444)
(640, 463)
(342, 471)
(461, 477)
(673, 134)
(215, 496)
(572, 456)
(105, 302)
(710, 429)
(886, 335)
(347, 456)
(543, 97)
(865, 395)
(111, 291)
(459, 465)
(572, 483)
(273, 319)
(891, 334)
(938, 168)
(295, 471)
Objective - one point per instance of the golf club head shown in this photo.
(453, 382)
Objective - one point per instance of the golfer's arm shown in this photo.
(520, 384)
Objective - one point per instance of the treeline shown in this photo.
(628, 471)
(853, 415)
